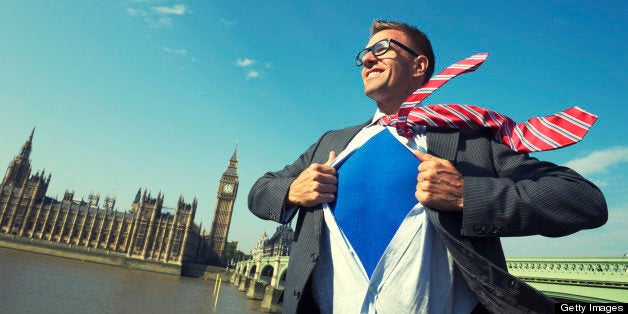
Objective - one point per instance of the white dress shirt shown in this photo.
(415, 274)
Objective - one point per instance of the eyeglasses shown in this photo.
(381, 47)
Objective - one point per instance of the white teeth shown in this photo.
(374, 72)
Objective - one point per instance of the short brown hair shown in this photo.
(418, 38)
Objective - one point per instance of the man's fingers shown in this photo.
(327, 188)
(424, 156)
(332, 156)
(325, 198)
(318, 169)
(317, 184)
(325, 178)
(421, 177)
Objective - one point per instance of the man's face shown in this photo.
(389, 79)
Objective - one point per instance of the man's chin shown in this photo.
(371, 92)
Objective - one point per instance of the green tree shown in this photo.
(233, 254)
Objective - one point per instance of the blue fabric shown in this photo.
(376, 186)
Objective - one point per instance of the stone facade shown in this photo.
(278, 245)
(149, 231)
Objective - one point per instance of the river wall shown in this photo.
(106, 257)
(257, 290)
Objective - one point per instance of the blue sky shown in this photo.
(156, 93)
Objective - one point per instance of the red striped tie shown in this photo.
(537, 134)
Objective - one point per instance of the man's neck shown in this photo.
(388, 108)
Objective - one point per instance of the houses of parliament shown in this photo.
(147, 231)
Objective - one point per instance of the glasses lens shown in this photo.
(361, 56)
(380, 48)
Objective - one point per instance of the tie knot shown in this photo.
(405, 127)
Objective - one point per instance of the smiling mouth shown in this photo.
(373, 72)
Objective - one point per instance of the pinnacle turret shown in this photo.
(28, 146)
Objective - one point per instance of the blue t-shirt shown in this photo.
(376, 186)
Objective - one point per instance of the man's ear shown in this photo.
(420, 66)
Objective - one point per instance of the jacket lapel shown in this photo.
(336, 141)
(443, 143)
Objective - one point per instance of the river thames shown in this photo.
(35, 283)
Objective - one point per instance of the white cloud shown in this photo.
(252, 71)
(244, 62)
(181, 52)
(160, 22)
(228, 23)
(131, 11)
(177, 9)
(599, 161)
(155, 15)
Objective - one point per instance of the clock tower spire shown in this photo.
(227, 191)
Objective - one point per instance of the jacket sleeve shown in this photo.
(529, 197)
(267, 198)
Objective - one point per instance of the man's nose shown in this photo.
(369, 59)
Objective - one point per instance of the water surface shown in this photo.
(35, 283)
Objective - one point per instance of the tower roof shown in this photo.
(232, 169)
(234, 157)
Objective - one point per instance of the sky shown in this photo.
(155, 94)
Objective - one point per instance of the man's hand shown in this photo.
(439, 184)
(315, 185)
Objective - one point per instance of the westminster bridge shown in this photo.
(565, 279)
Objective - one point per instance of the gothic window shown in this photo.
(66, 231)
(176, 242)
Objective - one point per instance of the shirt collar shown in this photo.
(419, 129)
(378, 114)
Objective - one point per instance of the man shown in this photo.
(363, 244)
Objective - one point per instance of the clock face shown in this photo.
(227, 188)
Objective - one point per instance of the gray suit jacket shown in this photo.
(505, 194)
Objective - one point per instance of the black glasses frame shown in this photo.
(376, 50)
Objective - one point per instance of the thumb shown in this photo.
(332, 156)
(423, 156)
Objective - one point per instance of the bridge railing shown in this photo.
(580, 279)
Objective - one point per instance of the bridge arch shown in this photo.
(266, 274)
(282, 277)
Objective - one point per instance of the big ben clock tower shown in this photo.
(227, 190)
